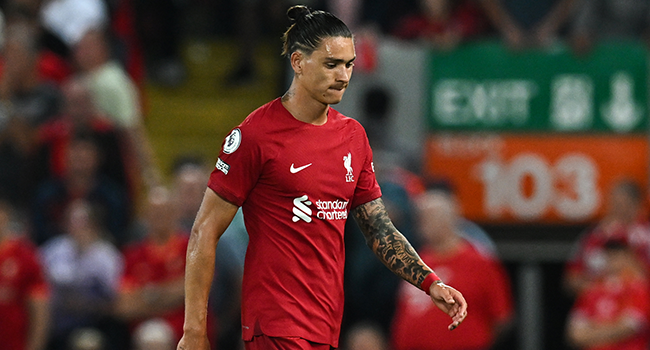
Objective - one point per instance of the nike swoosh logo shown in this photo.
(295, 170)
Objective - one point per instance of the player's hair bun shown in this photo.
(308, 28)
(297, 13)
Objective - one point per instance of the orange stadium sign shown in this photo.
(549, 178)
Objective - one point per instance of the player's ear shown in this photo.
(296, 60)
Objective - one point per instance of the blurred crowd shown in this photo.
(92, 241)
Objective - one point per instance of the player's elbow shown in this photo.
(204, 234)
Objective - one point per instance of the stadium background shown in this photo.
(534, 249)
(194, 111)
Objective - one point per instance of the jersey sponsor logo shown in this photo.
(332, 210)
(222, 166)
(325, 210)
(232, 141)
(347, 163)
(301, 211)
(295, 170)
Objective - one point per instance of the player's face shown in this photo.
(325, 74)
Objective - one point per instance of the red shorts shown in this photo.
(263, 342)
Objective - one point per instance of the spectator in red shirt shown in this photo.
(152, 285)
(80, 115)
(442, 23)
(24, 294)
(624, 220)
(483, 280)
(611, 312)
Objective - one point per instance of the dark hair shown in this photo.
(309, 28)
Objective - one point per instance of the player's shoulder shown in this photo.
(344, 120)
(349, 126)
(263, 116)
(261, 122)
(250, 132)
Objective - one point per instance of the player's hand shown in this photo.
(450, 301)
(193, 342)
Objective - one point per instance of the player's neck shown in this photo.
(304, 107)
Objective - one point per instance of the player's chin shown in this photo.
(334, 96)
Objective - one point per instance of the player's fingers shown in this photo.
(459, 310)
(460, 301)
(457, 320)
(459, 316)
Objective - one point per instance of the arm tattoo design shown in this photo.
(390, 246)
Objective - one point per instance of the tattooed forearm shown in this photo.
(390, 246)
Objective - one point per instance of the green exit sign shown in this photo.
(485, 86)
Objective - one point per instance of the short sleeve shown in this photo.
(238, 166)
(367, 187)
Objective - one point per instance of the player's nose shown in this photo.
(343, 74)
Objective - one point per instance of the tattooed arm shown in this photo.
(392, 249)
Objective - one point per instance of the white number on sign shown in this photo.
(569, 187)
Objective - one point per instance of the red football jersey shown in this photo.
(148, 263)
(419, 324)
(21, 278)
(296, 183)
(606, 301)
(588, 256)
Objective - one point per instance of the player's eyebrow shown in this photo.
(339, 60)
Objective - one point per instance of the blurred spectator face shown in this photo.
(19, 54)
(190, 185)
(622, 205)
(161, 213)
(620, 260)
(437, 217)
(82, 158)
(80, 221)
(91, 51)
(437, 10)
(79, 103)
